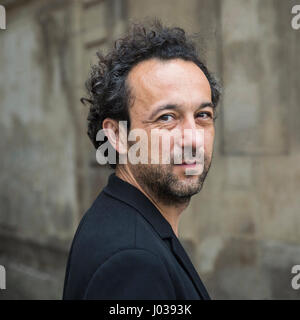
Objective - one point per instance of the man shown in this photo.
(127, 246)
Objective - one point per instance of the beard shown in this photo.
(168, 187)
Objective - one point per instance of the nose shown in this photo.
(192, 136)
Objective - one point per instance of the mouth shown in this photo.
(188, 164)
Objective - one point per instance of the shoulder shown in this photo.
(131, 274)
(111, 234)
(107, 226)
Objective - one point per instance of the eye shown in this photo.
(205, 115)
(166, 117)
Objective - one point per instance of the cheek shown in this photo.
(209, 140)
(154, 147)
(162, 146)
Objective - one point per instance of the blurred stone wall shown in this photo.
(242, 231)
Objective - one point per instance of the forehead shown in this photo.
(155, 81)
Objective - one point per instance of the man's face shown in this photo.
(175, 96)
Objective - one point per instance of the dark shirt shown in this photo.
(125, 249)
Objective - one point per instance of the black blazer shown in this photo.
(125, 249)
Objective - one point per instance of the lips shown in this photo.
(188, 164)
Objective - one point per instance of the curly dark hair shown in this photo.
(108, 92)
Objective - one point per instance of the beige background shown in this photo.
(242, 231)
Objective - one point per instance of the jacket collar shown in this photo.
(129, 194)
(124, 191)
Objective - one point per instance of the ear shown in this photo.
(116, 134)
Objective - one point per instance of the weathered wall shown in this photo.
(38, 150)
(242, 231)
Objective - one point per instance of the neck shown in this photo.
(170, 212)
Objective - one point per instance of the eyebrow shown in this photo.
(178, 107)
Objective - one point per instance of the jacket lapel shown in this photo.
(186, 263)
